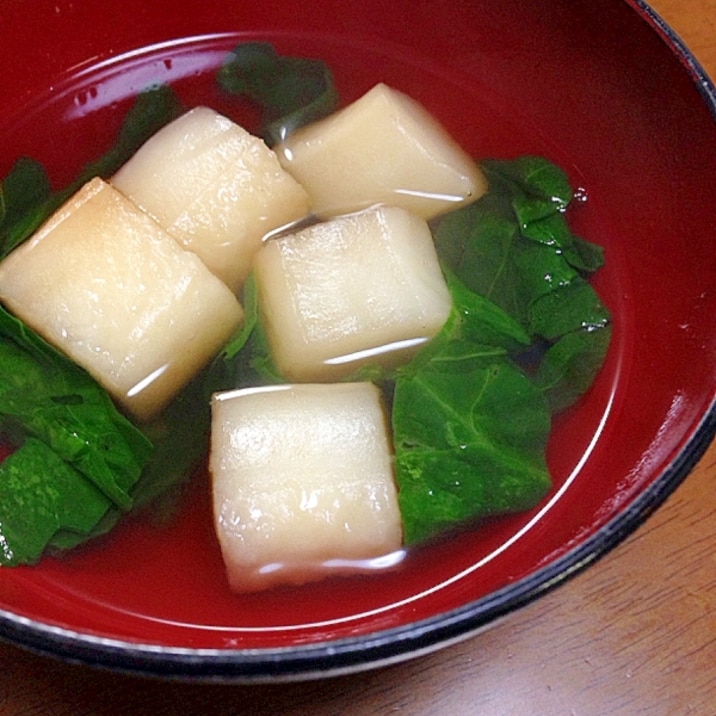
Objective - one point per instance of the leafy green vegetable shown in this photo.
(515, 247)
(482, 321)
(528, 333)
(471, 413)
(181, 439)
(41, 495)
(21, 193)
(469, 427)
(292, 91)
(251, 318)
(570, 364)
(26, 196)
(50, 398)
(77, 459)
(246, 359)
(46, 398)
(152, 109)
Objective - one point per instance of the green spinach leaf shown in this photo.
(45, 395)
(26, 196)
(472, 413)
(569, 366)
(42, 495)
(292, 91)
(514, 246)
(469, 427)
(22, 192)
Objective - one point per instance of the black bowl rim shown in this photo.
(354, 654)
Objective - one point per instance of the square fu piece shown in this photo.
(383, 148)
(103, 283)
(215, 188)
(365, 288)
(303, 484)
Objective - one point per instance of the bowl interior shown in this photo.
(595, 88)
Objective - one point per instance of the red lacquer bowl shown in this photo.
(602, 88)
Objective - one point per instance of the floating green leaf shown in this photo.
(41, 495)
(514, 246)
(292, 91)
(469, 429)
(45, 395)
(26, 197)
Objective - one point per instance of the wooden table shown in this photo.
(636, 634)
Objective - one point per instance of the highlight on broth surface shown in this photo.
(367, 369)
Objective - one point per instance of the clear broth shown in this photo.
(174, 565)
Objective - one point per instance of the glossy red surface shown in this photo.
(594, 86)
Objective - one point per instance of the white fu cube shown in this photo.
(106, 285)
(384, 148)
(366, 288)
(214, 187)
(303, 485)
